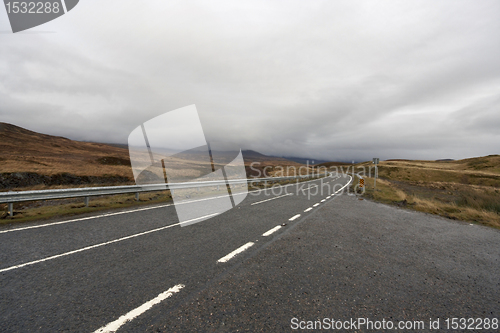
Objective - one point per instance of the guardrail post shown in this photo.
(136, 196)
(86, 201)
(11, 209)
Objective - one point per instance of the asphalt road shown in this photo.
(138, 271)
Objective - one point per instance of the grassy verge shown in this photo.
(471, 203)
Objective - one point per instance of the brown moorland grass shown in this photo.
(456, 189)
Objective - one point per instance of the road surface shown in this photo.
(276, 262)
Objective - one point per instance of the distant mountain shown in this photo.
(252, 155)
(310, 161)
(332, 164)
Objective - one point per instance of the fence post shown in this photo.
(86, 201)
(11, 209)
(136, 196)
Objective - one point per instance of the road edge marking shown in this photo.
(138, 210)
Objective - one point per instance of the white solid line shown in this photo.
(341, 189)
(83, 219)
(316, 205)
(98, 245)
(115, 325)
(294, 217)
(273, 230)
(281, 196)
(235, 252)
(308, 209)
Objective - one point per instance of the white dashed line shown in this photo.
(316, 205)
(235, 252)
(115, 325)
(281, 196)
(308, 209)
(99, 245)
(323, 200)
(294, 217)
(272, 231)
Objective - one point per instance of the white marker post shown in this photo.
(375, 161)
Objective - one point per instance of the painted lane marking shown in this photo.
(281, 196)
(316, 205)
(341, 189)
(308, 209)
(294, 217)
(98, 245)
(115, 325)
(272, 231)
(323, 200)
(235, 252)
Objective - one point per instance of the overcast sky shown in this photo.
(334, 80)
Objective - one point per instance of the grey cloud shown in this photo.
(330, 80)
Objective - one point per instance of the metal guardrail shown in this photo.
(12, 197)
